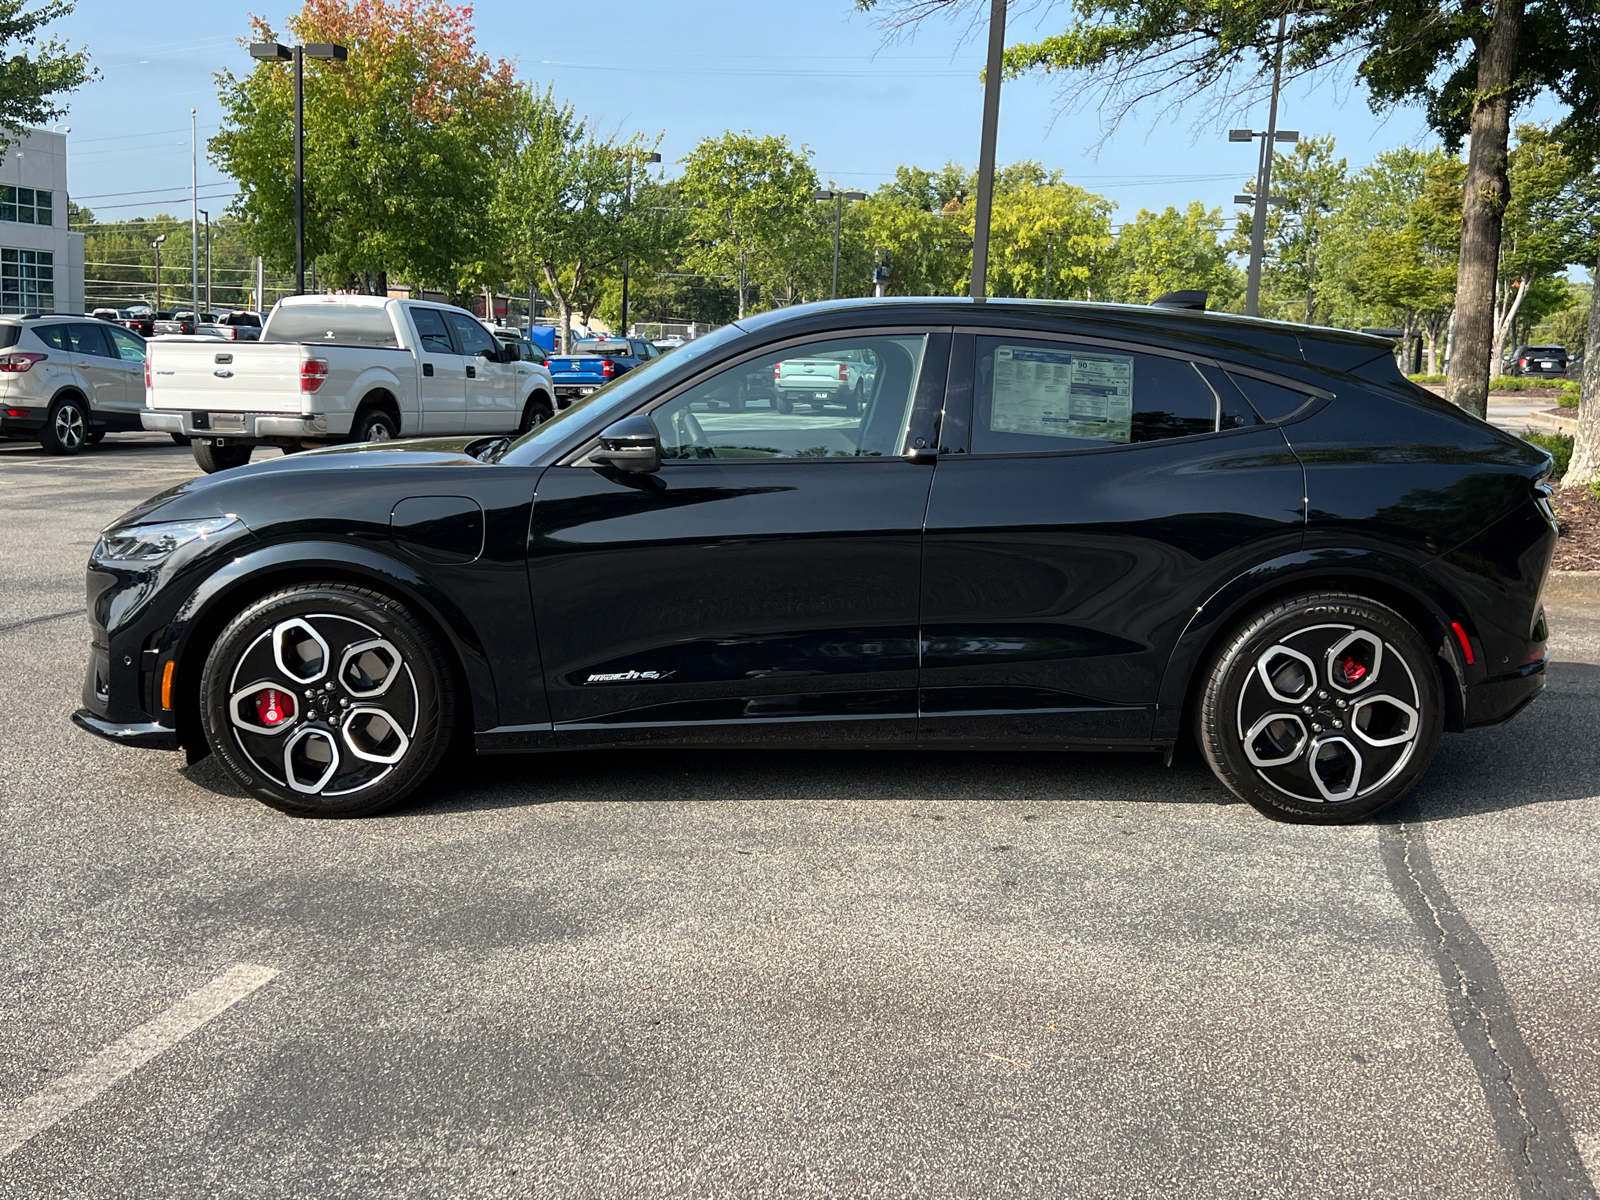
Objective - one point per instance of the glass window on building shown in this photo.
(27, 206)
(27, 281)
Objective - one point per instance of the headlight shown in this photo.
(153, 542)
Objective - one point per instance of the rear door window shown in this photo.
(1031, 396)
(89, 339)
(431, 329)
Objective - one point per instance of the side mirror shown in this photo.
(632, 445)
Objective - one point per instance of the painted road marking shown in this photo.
(64, 1096)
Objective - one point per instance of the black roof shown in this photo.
(1223, 334)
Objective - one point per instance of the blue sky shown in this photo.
(813, 70)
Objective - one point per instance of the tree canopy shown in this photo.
(35, 69)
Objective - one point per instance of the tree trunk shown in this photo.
(1483, 209)
(1585, 465)
(563, 309)
(1505, 326)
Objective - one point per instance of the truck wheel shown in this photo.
(375, 425)
(66, 427)
(1322, 709)
(213, 458)
(327, 700)
(783, 404)
(180, 439)
(536, 413)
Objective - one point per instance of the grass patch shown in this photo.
(1509, 383)
(1557, 445)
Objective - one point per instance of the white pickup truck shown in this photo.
(341, 368)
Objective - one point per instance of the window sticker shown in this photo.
(1062, 393)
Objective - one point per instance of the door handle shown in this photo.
(427, 369)
(472, 372)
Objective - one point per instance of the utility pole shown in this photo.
(1263, 194)
(194, 217)
(838, 199)
(991, 128)
(298, 55)
(207, 216)
(157, 245)
(261, 286)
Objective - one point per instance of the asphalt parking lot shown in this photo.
(779, 974)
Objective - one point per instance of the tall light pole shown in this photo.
(157, 247)
(194, 217)
(298, 55)
(627, 263)
(838, 199)
(1049, 240)
(1263, 195)
(991, 128)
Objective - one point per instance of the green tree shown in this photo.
(1312, 183)
(402, 143)
(35, 70)
(565, 210)
(1171, 250)
(751, 216)
(1469, 63)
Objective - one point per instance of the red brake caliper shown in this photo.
(1353, 671)
(273, 707)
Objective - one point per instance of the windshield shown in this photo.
(616, 397)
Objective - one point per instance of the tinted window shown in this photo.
(1271, 401)
(431, 329)
(1056, 396)
(335, 324)
(807, 402)
(604, 348)
(128, 346)
(54, 336)
(471, 336)
(89, 339)
(9, 335)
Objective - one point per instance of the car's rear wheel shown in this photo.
(783, 404)
(213, 457)
(66, 428)
(327, 699)
(1322, 709)
(375, 425)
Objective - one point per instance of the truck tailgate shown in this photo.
(252, 377)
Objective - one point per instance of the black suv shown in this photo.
(1549, 361)
(1046, 526)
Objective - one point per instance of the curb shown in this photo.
(1572, 587)
(1552, 419)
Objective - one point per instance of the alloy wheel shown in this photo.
(1329, 714)
(67, 425)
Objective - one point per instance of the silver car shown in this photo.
(69, 381)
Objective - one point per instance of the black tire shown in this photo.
(284, 714)
(783, 404)
(1351, 719)
(66, 428)
(375, 425)
(535, 413)
(213, 458)
(180, 439)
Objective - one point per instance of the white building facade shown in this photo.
(41, 262)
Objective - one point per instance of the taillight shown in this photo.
(230, 333)
(15, 364)
(147, 370)
(1522, 362)
(313, 374)
(608, 369)
(777, 370)
(844, 373)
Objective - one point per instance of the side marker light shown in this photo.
(1466, 645)
(166, 684)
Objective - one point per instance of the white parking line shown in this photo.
(64, 1096)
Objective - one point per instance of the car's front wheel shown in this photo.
(327, 699)
(1322, 709)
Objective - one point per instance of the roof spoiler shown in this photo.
(1188, 298)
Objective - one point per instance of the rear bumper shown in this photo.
(246, 427)
(29, 425)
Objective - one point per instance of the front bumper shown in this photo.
(246, 426)
(149, 735)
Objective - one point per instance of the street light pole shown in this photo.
(194, 217)
(1263, 196)
(627, 263)
(838, 199)
(991, 127)
(157, 246)
(207, 216)
(298, 55)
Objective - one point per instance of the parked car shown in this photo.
(1548, 361)
(340, 368)
(596, 362)
(838, 378)
(1050, 527)
(107, 314)
(140, 320)
(69, 381)
(242, 326)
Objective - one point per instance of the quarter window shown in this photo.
(844, 398)
(1273, 402)
(1033, 396)
(27, 206)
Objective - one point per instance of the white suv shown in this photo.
(69, 381)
